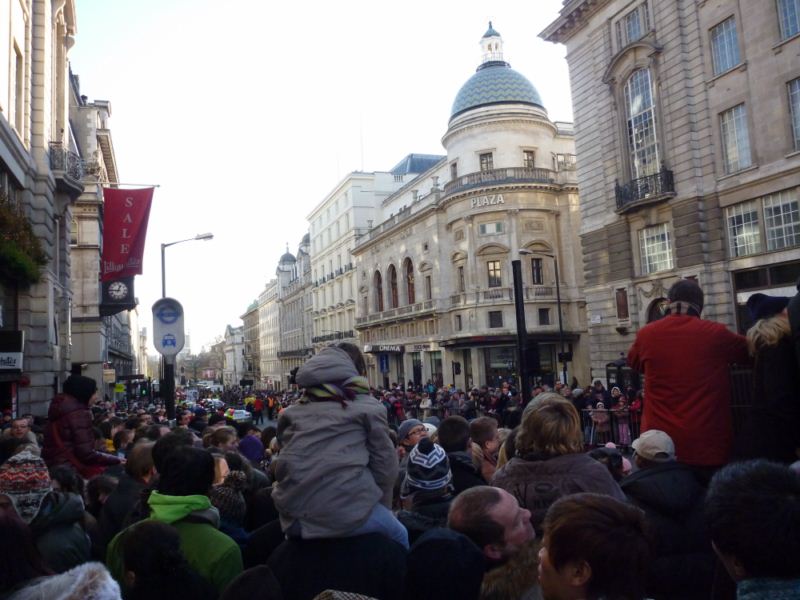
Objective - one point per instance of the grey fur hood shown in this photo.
(331, 365)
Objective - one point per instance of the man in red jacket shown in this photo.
(685, 361)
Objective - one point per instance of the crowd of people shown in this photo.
(418, 493)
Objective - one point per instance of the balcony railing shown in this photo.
(336, 335)
(409, 310)
(649, 188)
(539, 292)
(66, 162)
(496, 176)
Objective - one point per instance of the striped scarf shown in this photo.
(681, 307)
(339, 392)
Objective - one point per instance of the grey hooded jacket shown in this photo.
(336, 462)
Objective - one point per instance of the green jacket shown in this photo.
(210, 552)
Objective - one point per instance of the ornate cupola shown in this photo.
(492, 46)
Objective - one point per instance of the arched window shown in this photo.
(640, 112)
(392, 287)
(409, 273)
(378, 286)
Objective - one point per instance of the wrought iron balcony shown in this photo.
(497, 176)
(67, 169)
(647, 189)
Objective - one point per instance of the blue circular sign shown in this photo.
(168, 314)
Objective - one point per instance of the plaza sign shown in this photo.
(490, 200)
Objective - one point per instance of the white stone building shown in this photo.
(688, 132)
(435, 291)
(269, 336)
(347, 212)
(40, 176)
(295, 306)
(233, 369)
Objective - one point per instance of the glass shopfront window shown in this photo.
(436, 368)
(416, 367)
(501, 365)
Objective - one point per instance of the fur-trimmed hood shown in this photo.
(517, 579)
(89, 581)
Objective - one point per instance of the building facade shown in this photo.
(40, 177)
(436, 296)
(346, 213)
(252, 360)
(295, 307)
(233, 368)
(688, 133)
(269, 337)
(98, 338)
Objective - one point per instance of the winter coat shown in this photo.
(772, 427)
(210, 552)
(336, 462)
(369, 564)
(58, 532)
(515, 579)
(536, 484)
(118, 506)
(425, 516)
(89, 581)
(465, 474)
(73, 419)
(685, 361)
(673, 500)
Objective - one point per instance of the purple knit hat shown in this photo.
(251, 448)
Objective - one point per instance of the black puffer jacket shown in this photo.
(425, 516)
(673, 500)
(59, 534)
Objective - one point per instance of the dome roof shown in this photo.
(288, 258)
(495, 83)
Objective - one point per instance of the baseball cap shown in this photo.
(654, 445)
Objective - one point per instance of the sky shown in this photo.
(246, 113)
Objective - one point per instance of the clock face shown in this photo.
(117, 290)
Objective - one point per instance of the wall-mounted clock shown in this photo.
(118, 290)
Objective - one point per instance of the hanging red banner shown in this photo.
(124, 230)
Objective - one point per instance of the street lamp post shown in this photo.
(168, 365)
(522, 330)
(563, 352)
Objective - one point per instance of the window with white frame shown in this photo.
(744, 235)
(495, 278)
(789, 17)
(537, 273)
(491, 228)
(794, 109)
(724, 46)
(655, 249)
(487, 161)
(641, 124)
(782, 220)
(528, 159)
(735, 139)
(632, 26)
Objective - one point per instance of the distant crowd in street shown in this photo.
(342, 490)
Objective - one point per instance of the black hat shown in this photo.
(761, 306)
(79, 387)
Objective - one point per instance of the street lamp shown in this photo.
(522, 330)
(563, 353)
(199, 236)
(167, 387)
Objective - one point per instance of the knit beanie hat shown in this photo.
(80, 387)
(26, 482)
(406, 427)
(251, 448)
(228, 498)
(428, 469)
